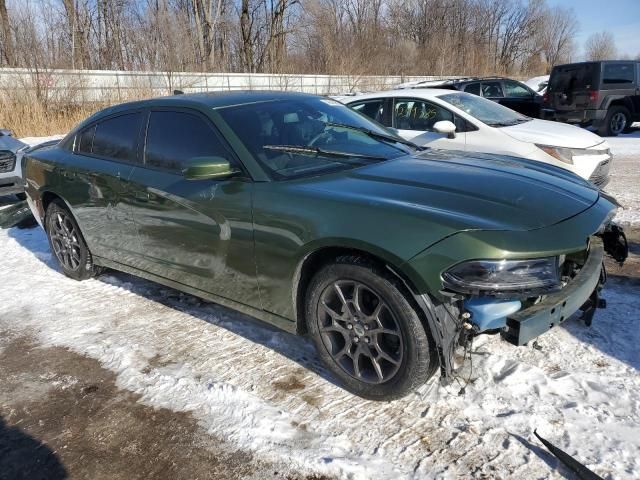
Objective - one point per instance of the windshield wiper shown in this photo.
(378, 135)
(509, 124)
(316, 151)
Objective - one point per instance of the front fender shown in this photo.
(565, 237)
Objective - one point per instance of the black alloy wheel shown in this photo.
(367, 330)
(67, 243)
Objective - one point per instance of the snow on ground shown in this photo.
(38, 140)
(265, 391)
(625, 175)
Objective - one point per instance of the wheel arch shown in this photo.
(46, 198)
(620, 101)
(317, 258)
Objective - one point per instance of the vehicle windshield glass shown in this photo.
(486, 111)
(320, 125)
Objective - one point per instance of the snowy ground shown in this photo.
(265, 392)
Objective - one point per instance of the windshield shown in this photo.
(324, 127)
(486, 111)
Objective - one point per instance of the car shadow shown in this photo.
(22, 457)
(294, 347)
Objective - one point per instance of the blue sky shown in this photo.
(620, 17)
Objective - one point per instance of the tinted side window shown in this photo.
(411, 114)
(116, 137)
(473, 88)
(491, 90)
(618, 73)
(373, 109)
(516, 90)
(174, 138)
(84, 140)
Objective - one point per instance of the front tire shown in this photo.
(615, 122)
(67, 244)
(366, 331)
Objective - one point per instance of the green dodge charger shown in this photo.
(305, 214)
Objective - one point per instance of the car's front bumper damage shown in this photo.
(553, 309)
(456, 320)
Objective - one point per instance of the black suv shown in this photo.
(510, 93)
(605, 95)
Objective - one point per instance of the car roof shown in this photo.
(425, 93)
(590, 62)
(211, 99)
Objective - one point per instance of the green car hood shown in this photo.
(462, 192)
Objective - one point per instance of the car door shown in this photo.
(376, 109)
(414, 118)
(195, 232)
(104, 155)
(520, 98)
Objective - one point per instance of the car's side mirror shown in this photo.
(446, 127)
(202, 168)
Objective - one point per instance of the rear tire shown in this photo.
(615, 122)
(367, 332)
(67, 243)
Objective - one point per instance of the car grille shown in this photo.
(600, 176)
(7, 161)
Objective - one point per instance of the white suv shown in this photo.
(11, 149)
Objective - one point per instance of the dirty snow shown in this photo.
(265, 391)
(625, 175)
(31, 141)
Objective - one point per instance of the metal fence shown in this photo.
(77, 86)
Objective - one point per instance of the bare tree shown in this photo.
(600, 46)
(557, 34)
(6, 39)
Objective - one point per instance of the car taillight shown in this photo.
(593, 95)
(545, 97)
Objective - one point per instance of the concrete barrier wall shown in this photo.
(104, 85)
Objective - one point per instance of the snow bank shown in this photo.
(265, 391)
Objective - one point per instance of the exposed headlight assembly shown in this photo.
(566, 154)
(495, 276)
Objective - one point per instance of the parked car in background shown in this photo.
(458, 121)
(538, 84)
(10, 164)
(299, 211)
(510, 93)
(605, 95)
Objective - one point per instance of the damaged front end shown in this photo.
(519, 299)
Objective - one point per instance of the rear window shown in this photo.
(568, 78)
(618, 73)
(116, 137)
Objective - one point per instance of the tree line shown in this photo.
(355, 37)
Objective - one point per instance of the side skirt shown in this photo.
(275, 320)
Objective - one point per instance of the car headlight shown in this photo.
(559, 153)
(567, 155)
(486, 276)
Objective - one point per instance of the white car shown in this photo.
(453, 120)
(10, 165)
